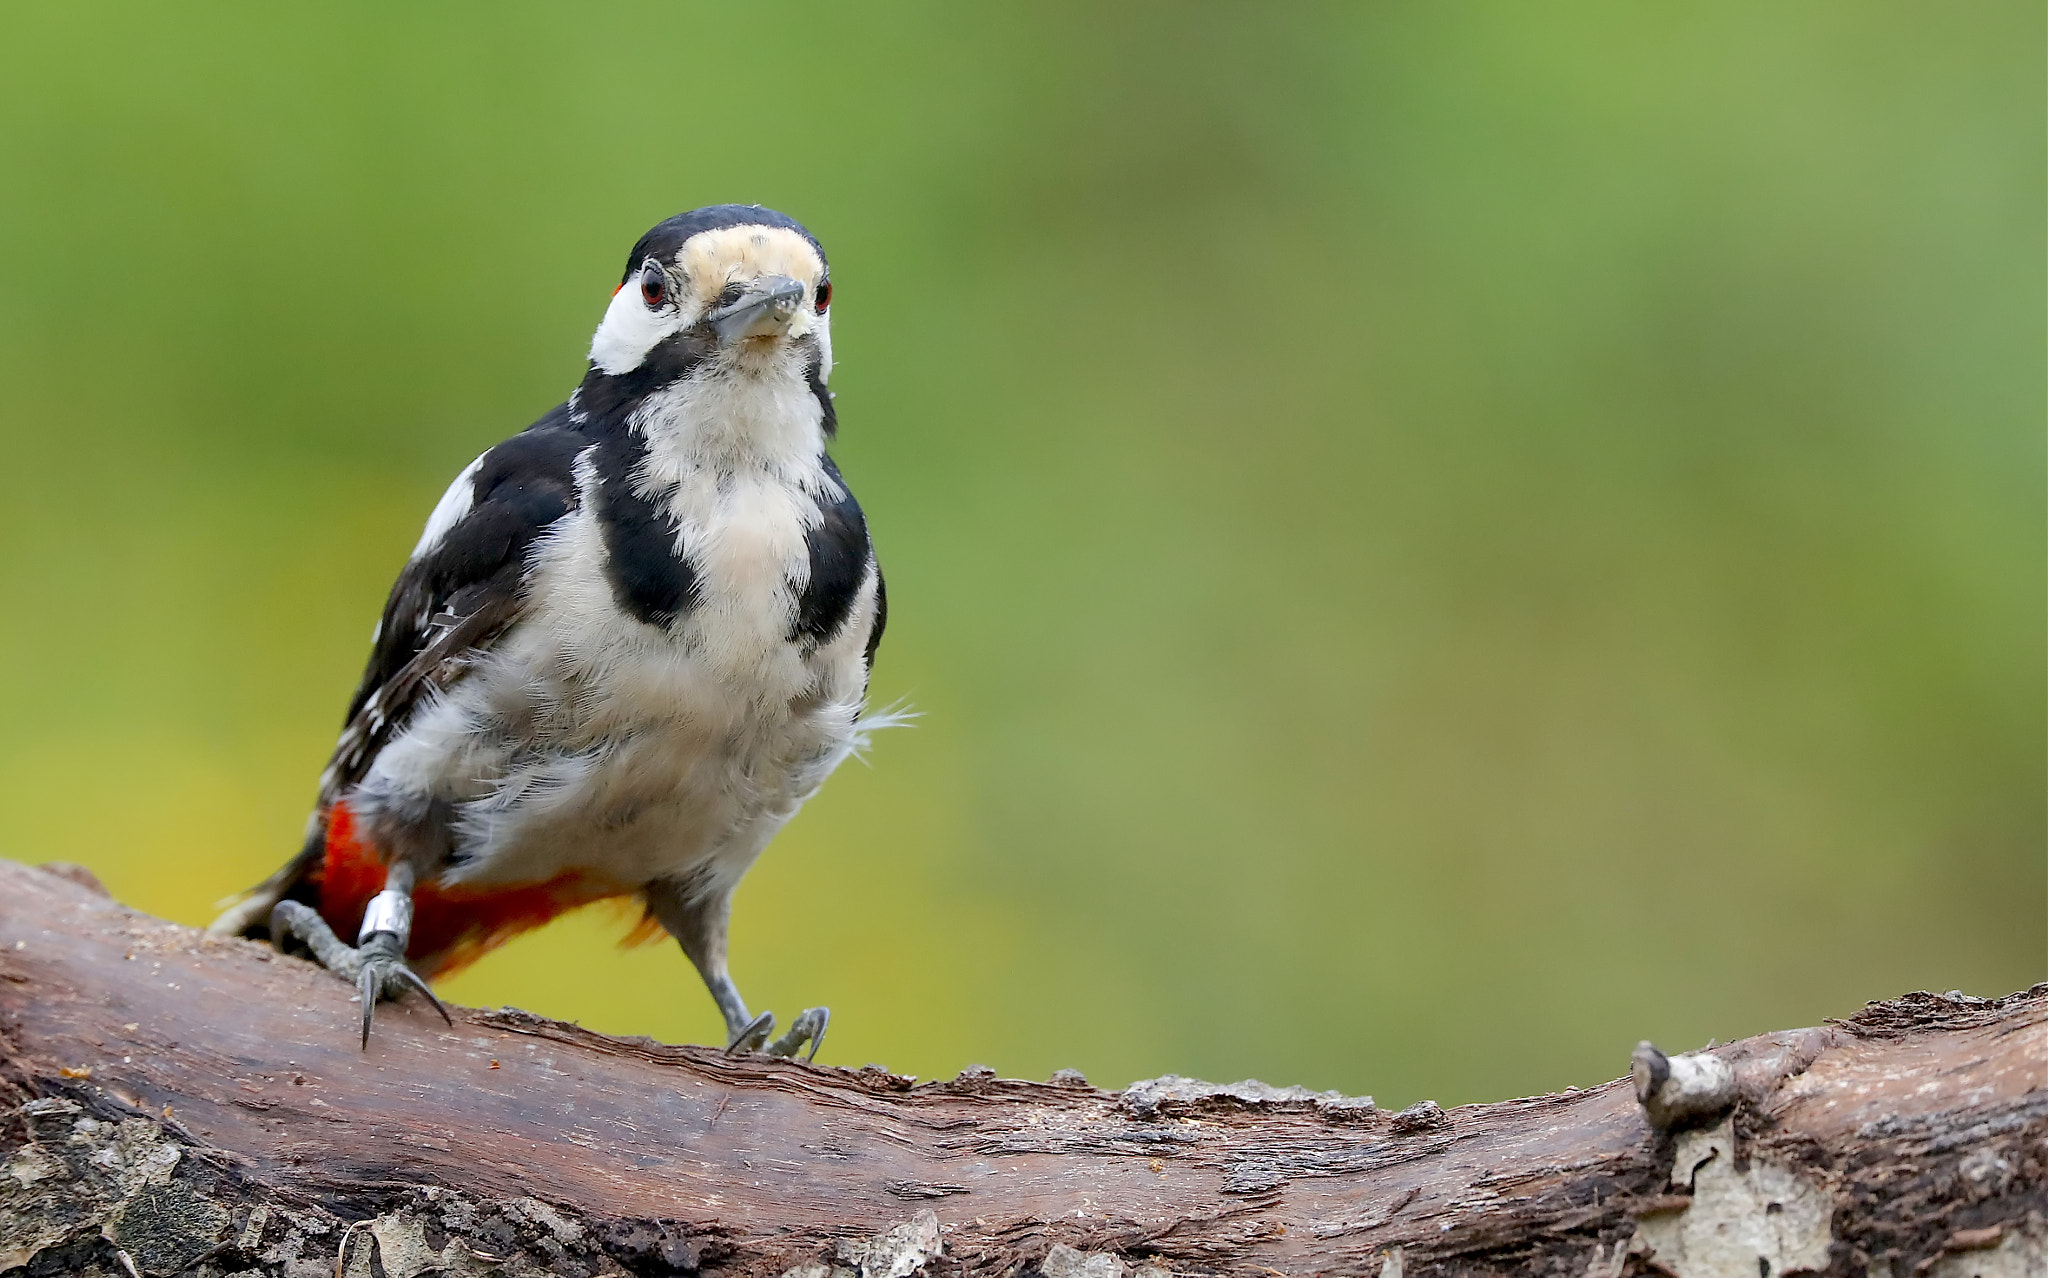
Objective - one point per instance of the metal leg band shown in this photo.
(389, 911)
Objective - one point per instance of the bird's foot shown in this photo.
(809, 1028)
(383, 974)
(376, 967)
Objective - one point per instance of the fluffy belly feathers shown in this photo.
(592, 742)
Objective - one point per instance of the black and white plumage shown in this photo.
(633, 638)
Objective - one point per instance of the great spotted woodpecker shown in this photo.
(632, 640)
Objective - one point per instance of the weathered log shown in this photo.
(184, 1105)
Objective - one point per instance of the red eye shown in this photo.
(653, 284)
(824, 295)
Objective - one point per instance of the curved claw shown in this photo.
(809, 1026)
(412, 978)
(370, 987)
(382, 975)
(752, 1035)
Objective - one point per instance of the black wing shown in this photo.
(453, 598)
(457, 595)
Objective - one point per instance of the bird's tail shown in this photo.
(452, 925)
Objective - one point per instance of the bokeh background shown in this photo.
(1432, 541)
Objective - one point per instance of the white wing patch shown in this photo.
(454, 504)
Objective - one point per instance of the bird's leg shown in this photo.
(743, 1033)
(699, 925)
(386, 931)
(376, 963)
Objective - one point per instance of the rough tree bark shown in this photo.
(181, 1105)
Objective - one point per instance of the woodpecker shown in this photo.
(632, 640)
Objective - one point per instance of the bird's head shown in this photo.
(733, 288)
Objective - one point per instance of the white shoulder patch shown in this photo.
(454, 504)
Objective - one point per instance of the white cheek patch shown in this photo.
(629, 331)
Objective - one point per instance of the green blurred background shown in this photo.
(1433, 541)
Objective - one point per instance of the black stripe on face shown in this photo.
(605, 400)
(829, 417)
(651, 581)
(838, 551)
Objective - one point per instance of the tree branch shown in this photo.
(184, 1105)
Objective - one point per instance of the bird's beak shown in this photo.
(764, 309)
